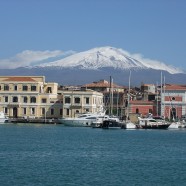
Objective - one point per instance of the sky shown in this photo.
(35, 30)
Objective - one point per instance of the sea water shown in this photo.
(54, 155)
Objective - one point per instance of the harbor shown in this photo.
(55, 154)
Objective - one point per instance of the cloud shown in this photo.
(151, 63)
(31, 58)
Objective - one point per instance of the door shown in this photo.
(173, 113)
(15, 112)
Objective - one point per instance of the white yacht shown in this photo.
(84, 120)
(99, 121)
(151, 123)
(3, 118)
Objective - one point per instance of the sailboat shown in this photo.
(128, 124)
(112, 122)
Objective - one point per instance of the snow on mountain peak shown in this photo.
(110, 57)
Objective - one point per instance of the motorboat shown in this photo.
(112, 123)
(84, 120)
(99, 121)
(3, 118)
(176, 125)
(128, 125)
(151, 123)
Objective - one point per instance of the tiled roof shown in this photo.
(20, 78)
(101, 84)
(175, 87)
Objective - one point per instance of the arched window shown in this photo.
(15, 99)
(33, 100)
(137, 110)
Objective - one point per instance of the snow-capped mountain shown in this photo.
(95, 64)
(109, 57)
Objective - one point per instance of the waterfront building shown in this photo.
(29, 97)
(113, 95)
(76, 102)
(173, 101)
(146, 101)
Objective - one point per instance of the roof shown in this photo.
(175, 87)
(101, 83)
(20, 78)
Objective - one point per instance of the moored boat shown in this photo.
(151, 123)
(84, 120)
(3, 118)
(176, 125)
(99, 121)
(128, 125)
(111, 124)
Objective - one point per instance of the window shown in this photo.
(87, 100)
(43, 100)
(49, 90)
(32, 111)
(6, 87)
(52, 111)
(33, 100)
(33, 88)
(6, 98)
(25, 99)
(15, 99)
(87, 110)
(15, 87)
(67, 100)
(25, 87)
(150, 111)
(77, 100)
(0, 87)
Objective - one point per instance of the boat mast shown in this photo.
(111, 96)
(157, 113)
(128, 97)
(164, 97)
(161, 96)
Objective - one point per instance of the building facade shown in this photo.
(29, 97)
(113, 96)
(173, 101)
(80, 101)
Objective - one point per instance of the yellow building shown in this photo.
(80, 101)
(29, 97)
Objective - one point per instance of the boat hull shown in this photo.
(76, 123)
(162, 126)
(111, 125)
(129, 125)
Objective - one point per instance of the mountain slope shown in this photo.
(101, 63)
(109, 57)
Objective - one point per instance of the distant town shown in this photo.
(31, 98)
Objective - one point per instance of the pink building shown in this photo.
(173, 101)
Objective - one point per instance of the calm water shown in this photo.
(53, 155)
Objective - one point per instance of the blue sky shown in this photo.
(156, 29)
